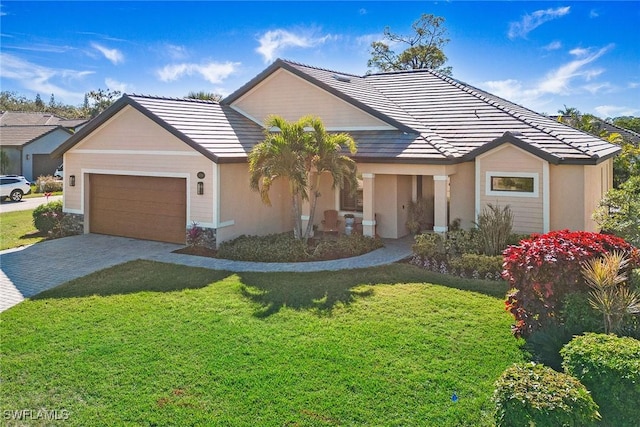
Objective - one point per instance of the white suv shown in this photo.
(13, 187)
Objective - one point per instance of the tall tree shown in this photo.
(425, 47)
(627, 163)
(38, 103)
(327, 158)
(282, 155)
(204, 96)
(100, 100)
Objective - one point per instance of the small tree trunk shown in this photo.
(312, 211)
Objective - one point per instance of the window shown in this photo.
(518, 184)
(351, 202)
(506, 183)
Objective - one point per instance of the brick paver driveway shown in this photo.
(31, 270)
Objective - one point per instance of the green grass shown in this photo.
(147, 343)
(17, 229)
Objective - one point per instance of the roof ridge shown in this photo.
(485, 96)
(300, 64)
(170, 98)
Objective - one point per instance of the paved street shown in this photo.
(25, 204)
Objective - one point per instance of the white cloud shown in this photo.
(273, 42)
(40, 79)
(593, 13)
(571, 78)
(113, 84)
(554, 45)
(530, 22)
(175, 52)
(616, 111)
(113, 55)
(213, 72)
(558, 81)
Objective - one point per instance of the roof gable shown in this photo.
(290, 96)
(214, 130)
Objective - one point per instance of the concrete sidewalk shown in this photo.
(30, 270)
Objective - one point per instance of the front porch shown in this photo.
(386, 190)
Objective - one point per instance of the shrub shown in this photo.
(271, 248)
(494, 225)
(477, 265)
(48, 184)
(430, 245)
(419, 215)
(609, 366)
(610, 294)
(47, 216)
(535, 395)
(542, 270)
(345, 246)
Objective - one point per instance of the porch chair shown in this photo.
(330, 222)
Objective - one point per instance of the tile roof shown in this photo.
(437, 120)
(18, 136)
(456, 118)
(217, 131)
(18, 118)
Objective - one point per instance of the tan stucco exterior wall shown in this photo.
(132, 144)
(575, 193)
(462, 195)
(242, 210)
(527, 211)
(292, 97)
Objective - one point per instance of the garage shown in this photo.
(142, 207)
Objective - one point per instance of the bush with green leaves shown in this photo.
(619, 211)
(48, 184)
(480, 266)
(345, 246)
(47, 216)
(271, 248)
(284, 248)
(535, 395)
(495, 224)
(609, 366)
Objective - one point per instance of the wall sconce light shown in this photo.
(72, 180)
(200, 188)
(28, 157)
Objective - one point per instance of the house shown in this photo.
(149, 167)
(27, 140)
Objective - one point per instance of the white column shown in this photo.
(440, 219)
(368, 205)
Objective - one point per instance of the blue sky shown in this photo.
(543, 55)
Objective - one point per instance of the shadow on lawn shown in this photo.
(136, 276)
(324, 290)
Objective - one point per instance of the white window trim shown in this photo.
(536, 184)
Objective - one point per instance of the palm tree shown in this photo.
(282, 154)
(327, 156)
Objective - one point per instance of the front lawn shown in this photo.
(17, 229)
(147, 343)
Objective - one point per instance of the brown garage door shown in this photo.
(142, 207)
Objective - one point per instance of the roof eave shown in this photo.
(510, 138)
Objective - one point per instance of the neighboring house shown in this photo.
(27, 139)
(149, 167)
